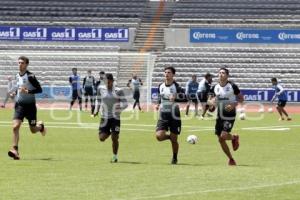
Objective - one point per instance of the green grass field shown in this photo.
(70, 162)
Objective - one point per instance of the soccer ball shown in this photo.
(261, 110)
(270, 110)
(192, 139)
(242, 116)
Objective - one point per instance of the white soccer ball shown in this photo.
(192, 139)
(261, 110)
(242, 116)
(270, 110)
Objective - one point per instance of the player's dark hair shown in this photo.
(225, 69)
(109, 76)
(24, 58)
(89, 70)
(74, 68)
(207, 75)
(274, 79)
(173, 70)
(102, 72)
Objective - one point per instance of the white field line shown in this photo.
(257, 187)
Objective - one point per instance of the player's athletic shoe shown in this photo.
(231, 162)
(14, 154)
(43, 130)
(281, 119)
(114, 159)
(289, 119)
(174, 161)
(235, 142)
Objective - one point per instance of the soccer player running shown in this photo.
(113, 102)
(280, 93)
(10, 86)
(169, 114)
(203, 91)
(99, 83)
(191, 94)
(25, 107)
(88, 86)
(135, 84)
(74, 81)
(226, 95)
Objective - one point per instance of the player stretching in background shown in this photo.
(202, 93)
(280, 93)
(88, 86)
(113, 102)
(25, 107)
(169, 115)
(74, 81)
(226, 95)
(191, 94)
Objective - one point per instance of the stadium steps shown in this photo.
(150, 35)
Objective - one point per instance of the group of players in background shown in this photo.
(103, 93)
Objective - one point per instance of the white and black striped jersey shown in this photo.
(225, 95)
(28, 81)
(164, 94)
(88, 82)
(109, 100)
(135, 83)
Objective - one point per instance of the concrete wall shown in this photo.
(179, 37)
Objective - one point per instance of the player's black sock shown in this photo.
(175, 156)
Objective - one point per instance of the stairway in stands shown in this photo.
(150, 35)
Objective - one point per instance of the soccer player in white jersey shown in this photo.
(226, 95)
(112, 102)
(25, 107)
(169, 113)
(135, 83)
(10, 86)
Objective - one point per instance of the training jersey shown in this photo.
(88, 82)
(164, 93)
(191, 87)
(280, 92)
(28, 81)
(74, 80)
(99, 83)
(136, 84)
(224, 96)
(204, 86)
(109, 100)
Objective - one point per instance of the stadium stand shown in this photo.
(114, 13)
(250, 67)
(236, 13)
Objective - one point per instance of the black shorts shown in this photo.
(27, 111)
(203, 97)
(281, 103)
(76, 94)
(192, 97)
(109, 126)
(136, 95)
(88, 91)
(168, 122)
(223, 125)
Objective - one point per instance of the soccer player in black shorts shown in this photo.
(134, 84)
(25, 107)
(226, 95)
(169, 113)
(112, 103)
(89, 87)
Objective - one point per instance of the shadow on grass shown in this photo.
(131, 162)
(41, 159)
